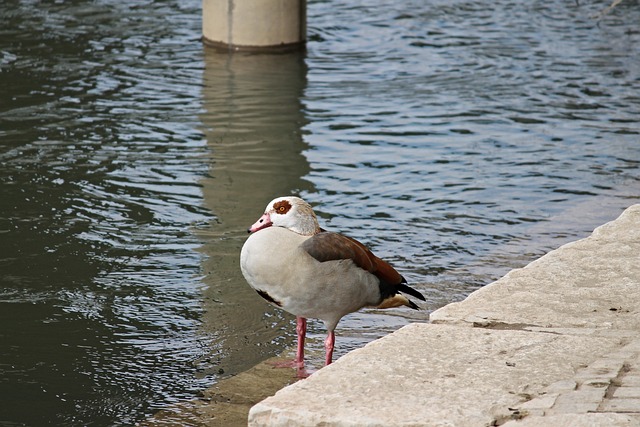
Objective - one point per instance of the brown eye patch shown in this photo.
(282, 207)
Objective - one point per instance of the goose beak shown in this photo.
(263, 222)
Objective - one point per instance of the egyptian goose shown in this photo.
(297, 266)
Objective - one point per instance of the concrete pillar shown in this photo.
(255, 25)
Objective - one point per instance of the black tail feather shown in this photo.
(388, 290)
(405, 289)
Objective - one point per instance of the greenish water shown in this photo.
(457, 141)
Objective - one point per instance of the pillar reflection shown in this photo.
(252, 121)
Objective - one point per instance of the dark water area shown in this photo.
(100, 297)
(458, 140)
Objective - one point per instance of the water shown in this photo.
(100, 297)
(458, 141)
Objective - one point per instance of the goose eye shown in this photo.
(282, 207)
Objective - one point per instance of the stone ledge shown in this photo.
(591, 283)
(425, 374)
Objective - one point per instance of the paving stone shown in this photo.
(630, 380)
(626, 392)
(633, 346)
(561, 386)
(607, 365)
(574, 404)
(621, 405)
(577, 420)
(542, 402)
(596, 383)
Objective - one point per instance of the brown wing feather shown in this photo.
(382, 269)
(328, 246)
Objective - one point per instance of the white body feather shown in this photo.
(273, 262)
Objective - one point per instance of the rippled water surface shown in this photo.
(458, 139)
(100, 297)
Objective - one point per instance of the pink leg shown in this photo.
(298, 362)
(328, 347)
(301, 329)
